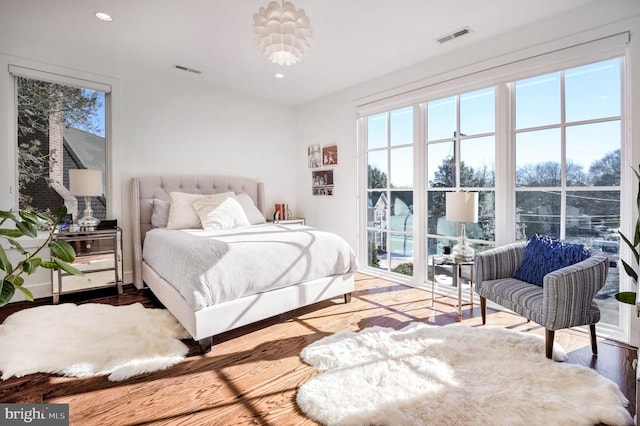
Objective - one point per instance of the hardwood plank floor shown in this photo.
(252, 374)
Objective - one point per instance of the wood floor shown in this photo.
(251, 375)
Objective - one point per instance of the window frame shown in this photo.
(69, 78)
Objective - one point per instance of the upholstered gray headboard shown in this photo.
(146, 188)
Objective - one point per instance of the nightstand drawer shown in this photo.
(95, 263)
(93, 246)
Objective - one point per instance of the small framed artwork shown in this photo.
(322, 182)
(65, 223)
(330, 155)
(314, 156)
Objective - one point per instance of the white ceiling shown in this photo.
(354, 40)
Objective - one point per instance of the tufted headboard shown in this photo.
(146, 188)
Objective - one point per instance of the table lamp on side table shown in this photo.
(462, 207)
(86, 183)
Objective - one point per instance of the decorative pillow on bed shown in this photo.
(253, 214)
(160, 215)
(544, 254)
(220, 213)
(181, 212)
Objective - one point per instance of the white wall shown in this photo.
(333, 118)
(163, 122)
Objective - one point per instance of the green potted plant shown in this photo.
(13, 226)
(629, 297)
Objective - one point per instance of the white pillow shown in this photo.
(254, 215)
(181, 212)
(220, 213)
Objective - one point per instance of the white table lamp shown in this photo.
(86, 183)
(462, 207)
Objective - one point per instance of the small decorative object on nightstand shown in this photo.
(98, 256)
(291, 221)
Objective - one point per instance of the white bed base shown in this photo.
(203, 324)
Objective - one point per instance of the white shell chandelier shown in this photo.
(282, 32)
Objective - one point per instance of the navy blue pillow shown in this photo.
(543, 255)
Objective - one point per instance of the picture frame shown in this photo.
(65, 223)
(330, 155)
(322, 182)
(314, 156)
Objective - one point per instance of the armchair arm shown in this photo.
(569, 292)
(499, 262)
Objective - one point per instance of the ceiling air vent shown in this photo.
(455, 34)
(183, 68)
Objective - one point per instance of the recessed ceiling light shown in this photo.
(279, 75)
(104, 16)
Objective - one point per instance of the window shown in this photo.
(60, 126)
(567, 161)
(460, 155)
(390, 191)
(544, 153)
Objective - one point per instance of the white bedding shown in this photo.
(210, 267)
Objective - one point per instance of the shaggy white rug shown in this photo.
(452, 375)
(90, 339)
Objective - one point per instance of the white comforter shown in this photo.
(209, 267)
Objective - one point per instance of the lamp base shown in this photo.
(463, 253)
(88, 223)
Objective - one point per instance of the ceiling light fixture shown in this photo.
(282, 32)
(278, 75)
(104, 16)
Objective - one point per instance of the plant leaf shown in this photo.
(11, 233)
(6, 292)
(8, 215)
(62, 250)
(631, 246)
(17, 246)
(5, 265)
(30, 217)
(27, 228)
(16, 280)
(630, 271)
(67, 268)
(628, 297)
(27, 294)
(49, 264)
(60, 213)
(31, 265)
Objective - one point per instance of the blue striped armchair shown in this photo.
(565, 299)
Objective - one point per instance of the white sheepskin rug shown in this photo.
(452, 375)
(90, 339)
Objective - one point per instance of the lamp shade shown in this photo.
(85, 182)
(462, 207)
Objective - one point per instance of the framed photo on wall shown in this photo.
(314, 156)
(330, 155)
(322, 182)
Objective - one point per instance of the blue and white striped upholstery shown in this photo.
(565, 299)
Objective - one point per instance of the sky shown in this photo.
(591, 92)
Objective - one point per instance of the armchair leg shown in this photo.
(483, 309)
(594, 343)
(548, 338)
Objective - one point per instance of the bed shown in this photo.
(221, 301)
